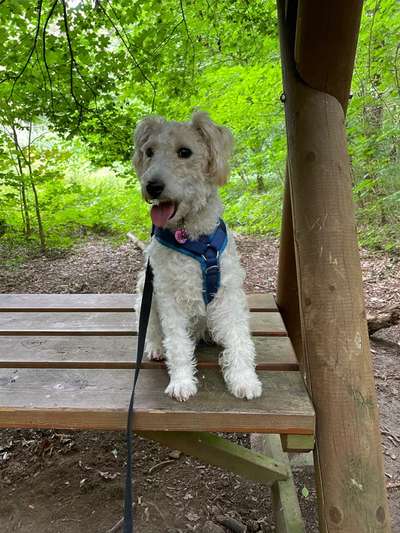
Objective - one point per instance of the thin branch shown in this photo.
(370, 39)
(396, 73)
(137, 65)
(188, 36)
(72, 64)
(167, 39)
(120, 23)
(50, 14)
(39, 9)
(39, 63)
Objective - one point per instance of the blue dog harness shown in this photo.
(207, 250)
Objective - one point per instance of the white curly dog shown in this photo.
(180, 166)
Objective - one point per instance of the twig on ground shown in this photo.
(385, 318)
(140, 244)
(393, 485)
(161, 465)
(231, 523)
(118, 525)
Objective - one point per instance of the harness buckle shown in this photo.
(216, 267)
(217, 254)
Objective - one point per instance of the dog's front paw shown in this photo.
(181, 389)
(245, 385)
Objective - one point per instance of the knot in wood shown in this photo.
(336, 515)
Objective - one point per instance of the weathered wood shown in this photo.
(348, 459)
(325, 47)
(288, 293)
(215, 450)
(261, 302)
(285, 503)
(107, 323)
(99, 302)
(98, 399)
(62, 303)
(297, 443)
(273, 353)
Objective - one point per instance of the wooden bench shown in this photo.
(66, 362)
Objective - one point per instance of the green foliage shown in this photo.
(373, 125)
(74, 71)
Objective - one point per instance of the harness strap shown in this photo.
(143, 322)
(206, 250)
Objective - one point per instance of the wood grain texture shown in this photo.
(288, 289)
(215, 450)
(297, 443)
(98, 399)
(273, 353)
(326, 31)
(348, 457)
(99, 302)
(285, 503)
(107, 323)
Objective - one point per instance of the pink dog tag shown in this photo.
(181, 235)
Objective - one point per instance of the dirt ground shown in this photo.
(72, 482)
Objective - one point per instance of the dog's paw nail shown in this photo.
(181, 390)
(248, 387)
(156, 355)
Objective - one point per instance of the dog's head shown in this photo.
(180, 164)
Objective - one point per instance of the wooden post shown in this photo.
(287, 297)
(348, 459)
(285, 503)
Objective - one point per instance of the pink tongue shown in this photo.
(161, 213)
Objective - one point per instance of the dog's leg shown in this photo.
(153, 345)
(179, 350)
(229, 324)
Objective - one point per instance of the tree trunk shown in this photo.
(25, 211)
(24, 203)
(42, 236)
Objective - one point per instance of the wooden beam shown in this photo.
(348, 459)
(325, 45)
(215, 450)
(298, 443)
(287, 293)
(285, 503)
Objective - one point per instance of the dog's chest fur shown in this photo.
(179, 277)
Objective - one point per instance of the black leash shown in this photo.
(143, 322)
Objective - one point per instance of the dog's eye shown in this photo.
(184, 153)
(149, 152)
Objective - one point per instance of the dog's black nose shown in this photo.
(155, 188)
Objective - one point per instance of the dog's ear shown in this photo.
(145, 128)
(220, 143)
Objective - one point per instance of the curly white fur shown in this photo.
(179, 318)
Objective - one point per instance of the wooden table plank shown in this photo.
(107, 323)
(67, 302)
(261, 302)
(118, 302)
(273, 353)
(98, 399)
